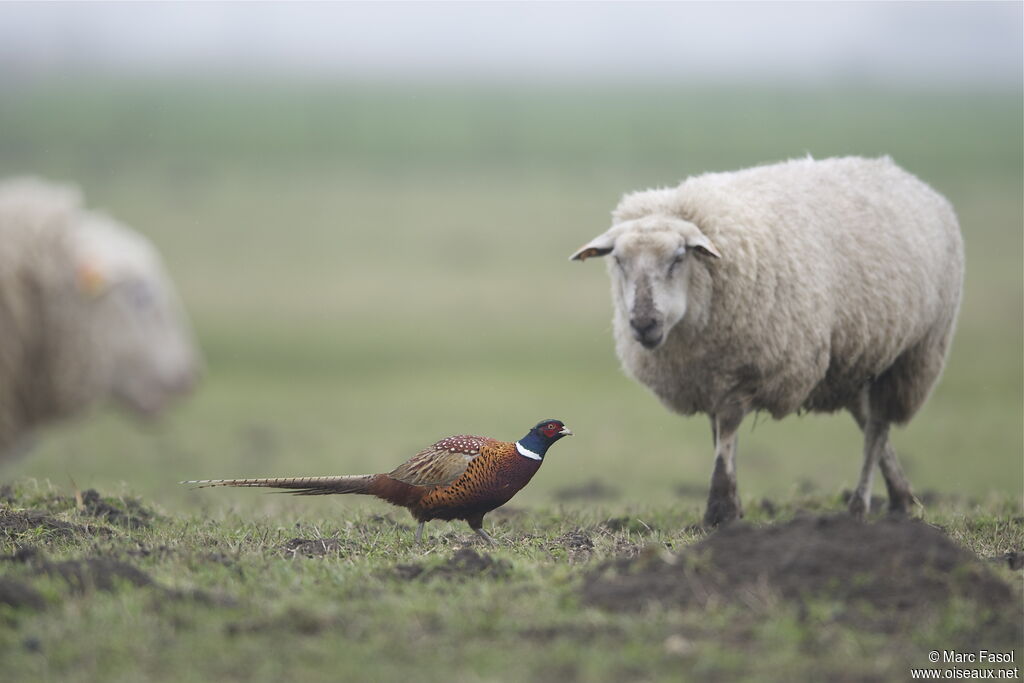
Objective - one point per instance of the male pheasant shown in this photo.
(460, 477)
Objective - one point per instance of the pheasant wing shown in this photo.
(441, 463)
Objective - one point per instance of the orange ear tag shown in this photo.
(91, 280)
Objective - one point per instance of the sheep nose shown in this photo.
(646, 330)
(185, 381)
(642, 326)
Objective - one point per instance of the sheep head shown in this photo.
(650, 266)
(144, 349)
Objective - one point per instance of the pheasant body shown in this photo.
(459, 477)
(489, 482)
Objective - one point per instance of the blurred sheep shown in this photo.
(86, 313)
(805, 285)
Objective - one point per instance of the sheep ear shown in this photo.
(601, 245)
(90, 279)
(703, 245)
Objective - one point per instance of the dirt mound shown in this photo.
(464, 563)
(128, 513)
(14, 523)
(894, 566)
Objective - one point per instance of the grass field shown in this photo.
(370, 268)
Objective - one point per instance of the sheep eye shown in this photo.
(139, 294)
(675, 262)
(618, 262)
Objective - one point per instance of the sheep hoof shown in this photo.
(722, 510)
(858, 508)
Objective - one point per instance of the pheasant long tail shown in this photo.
(302, 486)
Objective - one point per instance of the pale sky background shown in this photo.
(928, 44)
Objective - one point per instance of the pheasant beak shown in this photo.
(565, 431)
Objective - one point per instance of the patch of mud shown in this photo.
(18, 594)
(592, 490)
(897, 567)
(96, 573)
(128, 512)
(465, 563)
(14, 523)
(313, 547)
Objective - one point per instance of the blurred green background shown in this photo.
(370, 267)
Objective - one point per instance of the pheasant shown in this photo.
(460, 477)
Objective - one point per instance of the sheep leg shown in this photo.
(901, 498)
(723, 500)
(875, 435)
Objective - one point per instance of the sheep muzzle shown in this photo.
(645, 321)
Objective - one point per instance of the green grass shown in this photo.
(371, 268)
(229, 602)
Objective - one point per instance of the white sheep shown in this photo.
(86, 313)
(804, 285)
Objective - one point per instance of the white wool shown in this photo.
(842, 266)
(835, 278)
(86, 313)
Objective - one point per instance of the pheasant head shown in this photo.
(537, 441)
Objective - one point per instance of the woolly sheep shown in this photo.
(86, 313)
(803, 285)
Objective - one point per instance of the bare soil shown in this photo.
(128, 513)
(91, 507)
(14, 523)
(895, 569)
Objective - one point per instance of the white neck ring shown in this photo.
(526, 452)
